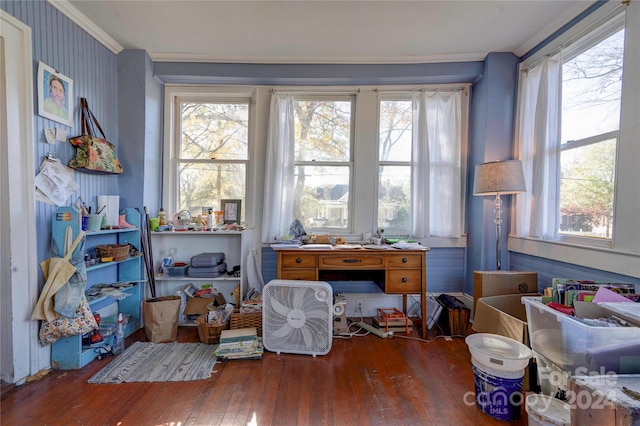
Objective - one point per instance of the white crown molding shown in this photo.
(87, 24)
(554, 26)
(410, 59)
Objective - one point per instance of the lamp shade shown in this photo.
(499, 177)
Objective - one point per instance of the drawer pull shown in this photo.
(404, 280)
(352, 260)
(298, 260)
(405, 260)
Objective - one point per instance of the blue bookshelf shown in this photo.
(69, 353)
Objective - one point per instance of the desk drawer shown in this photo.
(298, 274)
(296, 260)
(403, 281)
(404, 261)
(350, 261)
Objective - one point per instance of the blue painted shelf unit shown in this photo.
(69, 353)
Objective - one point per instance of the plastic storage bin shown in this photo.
(177, 269)
(571, 343)
(553, 380)
(544, 410)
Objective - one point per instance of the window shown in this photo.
(578, 141)
(208, 161)
(591, 93)
(323, 160)
(351, 161)
(394, 157)
(318, 154)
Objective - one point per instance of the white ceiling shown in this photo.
(324, 31)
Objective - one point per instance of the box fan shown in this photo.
(297, 317)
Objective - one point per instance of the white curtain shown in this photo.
(279, 169)
(538, 146)
(436, 182)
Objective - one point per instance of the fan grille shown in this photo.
(297, 317)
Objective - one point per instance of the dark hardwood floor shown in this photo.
(362, 381)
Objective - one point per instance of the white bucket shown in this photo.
(544, 410)
(498, 352)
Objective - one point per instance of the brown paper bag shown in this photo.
(161, 318)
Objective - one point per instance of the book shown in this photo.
(246, 347)
(238, 335)
(189, 290)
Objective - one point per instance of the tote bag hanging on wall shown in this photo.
(93, 154)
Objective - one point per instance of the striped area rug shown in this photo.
(159, 362)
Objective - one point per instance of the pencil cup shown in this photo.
(94, 222)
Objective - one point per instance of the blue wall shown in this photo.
(490, 139)
(140, 123)
(61, 44)
(549, 269)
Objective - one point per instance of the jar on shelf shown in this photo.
(162, 217)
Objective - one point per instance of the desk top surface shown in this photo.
(350, 248)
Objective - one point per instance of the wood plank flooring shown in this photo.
(362, 381)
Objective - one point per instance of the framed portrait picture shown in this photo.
(232, 210)
(55, 95)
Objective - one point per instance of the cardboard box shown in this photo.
(606, 402)
(198, 305)
(496, 283)
(504, 315)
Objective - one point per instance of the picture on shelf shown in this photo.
(55, 95)
(232, 211)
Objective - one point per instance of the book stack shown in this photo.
(241, 343)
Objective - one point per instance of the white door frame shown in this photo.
(20, 353)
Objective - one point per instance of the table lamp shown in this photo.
(499, 178)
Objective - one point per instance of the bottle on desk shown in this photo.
(118, 336)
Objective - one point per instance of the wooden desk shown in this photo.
(395, 271)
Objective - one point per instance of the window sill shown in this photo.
(615, 261)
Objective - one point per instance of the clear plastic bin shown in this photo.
(553, 380)
(579, 348)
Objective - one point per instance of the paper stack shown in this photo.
(241, 343)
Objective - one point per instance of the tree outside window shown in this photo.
(591, 93)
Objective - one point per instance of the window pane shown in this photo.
(395, 130)
(322, 196)
(591, 89)
(214, 131)
(322, 130)
(587, 186)
(203, 185)
(393, 198)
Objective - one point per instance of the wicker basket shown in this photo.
(210, 333)
(244, 320)
(117, 251)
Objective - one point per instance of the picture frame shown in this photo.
(232, 211)
(55, 95)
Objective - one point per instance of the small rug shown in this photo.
(159, 362)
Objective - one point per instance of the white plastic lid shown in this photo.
(120, 317)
